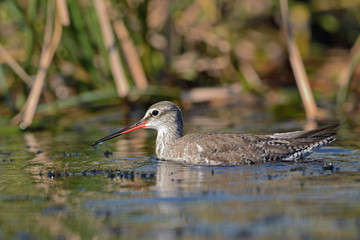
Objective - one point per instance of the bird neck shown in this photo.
(166, 139)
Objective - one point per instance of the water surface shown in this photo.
(54, 185)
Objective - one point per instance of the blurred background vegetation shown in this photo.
(59, 55)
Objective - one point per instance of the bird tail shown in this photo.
(305, 142)
(321, 133)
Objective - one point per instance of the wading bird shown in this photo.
(223, 148)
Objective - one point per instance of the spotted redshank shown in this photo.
(223, 148)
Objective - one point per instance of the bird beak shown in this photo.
(131, 128)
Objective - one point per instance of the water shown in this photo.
(55, 186)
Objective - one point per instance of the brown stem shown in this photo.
(116, 66)
(131, 54)
(51, 42)
(298, 66)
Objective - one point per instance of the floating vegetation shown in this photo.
(330, 167)
(66, 154)
(117, 173)
(298, 168)
(107, 153)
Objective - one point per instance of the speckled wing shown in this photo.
(237, 148)
(220, 148)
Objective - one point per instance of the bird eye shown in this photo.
(155, 112)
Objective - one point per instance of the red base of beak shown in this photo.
(121, 132)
